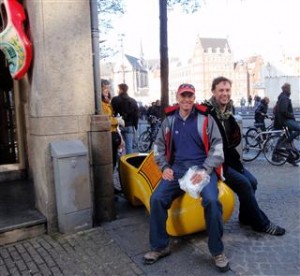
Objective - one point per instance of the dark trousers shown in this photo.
(244, 185)
(294, 128)
(162, 199)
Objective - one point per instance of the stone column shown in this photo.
(61, 98)
(102, 169)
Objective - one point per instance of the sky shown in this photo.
(266, 27)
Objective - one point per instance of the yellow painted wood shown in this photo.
(139, 177)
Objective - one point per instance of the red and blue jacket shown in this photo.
(208, 131)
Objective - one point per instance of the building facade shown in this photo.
(56, 101)
(212, 57)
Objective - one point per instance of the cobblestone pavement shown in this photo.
(91, 252)
(117, 247)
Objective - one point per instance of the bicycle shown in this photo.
(254, 140)
(148, 137)
(255, 143)
(258, 127)
(278, 150)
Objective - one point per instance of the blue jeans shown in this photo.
(128, 136)
(244, 185)
(162, 199)
(294, 128)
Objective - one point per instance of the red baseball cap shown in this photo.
(185, 87)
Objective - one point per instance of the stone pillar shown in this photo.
(61, 95)
(102, 169)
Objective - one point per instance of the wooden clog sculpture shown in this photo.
(139, 177)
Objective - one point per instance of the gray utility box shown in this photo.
(72, 185)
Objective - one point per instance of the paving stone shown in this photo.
(3, 270)
(117, 247)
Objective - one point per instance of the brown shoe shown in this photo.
(153, 256)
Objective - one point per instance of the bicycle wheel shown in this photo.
(297, 147)
(251, 137)
(144, 141)
(297, 143)
(273, 155)
(250, 153)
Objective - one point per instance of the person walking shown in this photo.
(242, 103)
(250, 101)
(127, 107)
(188, 137)
(237, 177)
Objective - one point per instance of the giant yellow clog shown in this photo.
(139, 177)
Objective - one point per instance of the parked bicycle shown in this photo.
(258, 127)
(255, 143)
(147, 137)
(254, 140)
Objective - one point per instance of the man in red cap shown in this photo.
(188, 137)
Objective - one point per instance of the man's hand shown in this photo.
(168, 174)
(197, 177)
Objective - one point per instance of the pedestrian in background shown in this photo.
(237, 177)
(183, 142)
(249, 101)
(126, 107)
(107, 109)
(284, 116)
(155, 109)
(256, 100)
(142, 112)
(284, 113)
(261, 113)
(242, 103)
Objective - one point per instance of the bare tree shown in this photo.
(188, 6)
(107, 9)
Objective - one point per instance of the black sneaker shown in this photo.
(117, 191)
(276, 158)
(293, 162)
(293, 158)
(274, 229)
(244, 221)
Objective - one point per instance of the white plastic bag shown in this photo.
(121, 122)
(194, 190)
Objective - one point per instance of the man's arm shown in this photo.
(215, 156)
(159, 148)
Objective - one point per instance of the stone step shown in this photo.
(19, 219)
(22, 231)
